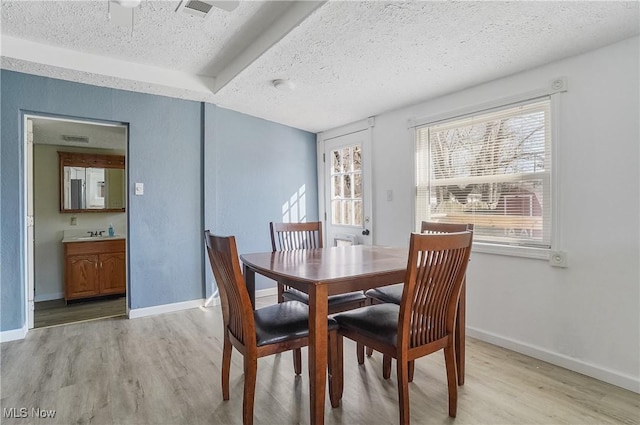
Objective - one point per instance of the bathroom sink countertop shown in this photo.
(91, 238)
(84, 235)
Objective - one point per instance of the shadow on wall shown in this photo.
(294, 210)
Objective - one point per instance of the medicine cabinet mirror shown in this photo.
(91, 182)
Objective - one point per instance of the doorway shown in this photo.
(49, 228)
(347, 188)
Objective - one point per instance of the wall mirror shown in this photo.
(91, 182)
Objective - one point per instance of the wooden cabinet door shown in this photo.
(112, 273)
(82, 276)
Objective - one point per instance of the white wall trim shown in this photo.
(598, 372)
(266, 292)
(214, 301)
(135, 313)
(13, 334)
(16, 334)
(49, 297)
(513, 251)
(353, 127)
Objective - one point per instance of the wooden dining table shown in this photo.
(320, 273)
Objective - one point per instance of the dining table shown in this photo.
(329, 271)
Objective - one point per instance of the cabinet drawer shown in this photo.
(94, 247)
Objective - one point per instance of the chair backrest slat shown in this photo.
(236, 305)
(292, 236)
(435, 273)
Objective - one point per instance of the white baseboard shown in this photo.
(612, 377)
(48, 297)
(213, 301)
(13, 334)
(164, 308)
(267, 292)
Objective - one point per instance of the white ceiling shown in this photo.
(348, 59)
(52, 131)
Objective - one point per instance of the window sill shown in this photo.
(512, 251)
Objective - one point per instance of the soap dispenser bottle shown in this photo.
(111, 232)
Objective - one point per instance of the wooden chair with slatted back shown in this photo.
(393, 293)
(423, 323)
(268, 330)
(292, 236)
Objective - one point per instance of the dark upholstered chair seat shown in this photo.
(386, 294)
(283, 322)
(379, 321)
(292, 294)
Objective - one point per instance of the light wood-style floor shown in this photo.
(57, 312)
(166, 370)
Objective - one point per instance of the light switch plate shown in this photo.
(139, 188)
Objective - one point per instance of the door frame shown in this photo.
(367, 194)
(28, 212)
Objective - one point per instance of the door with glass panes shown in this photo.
(347, 193)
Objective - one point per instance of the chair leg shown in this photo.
(403, 391)
(336, 377)
(280, 293)
(250, 372)
(452, 379)
(369, 301)
(386, 366)
(226, 366)
(360, 352)
(412, 366)
(297, 361)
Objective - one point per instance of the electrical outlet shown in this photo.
(139, 189)
(558, 258)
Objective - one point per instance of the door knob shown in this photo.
(365, 232)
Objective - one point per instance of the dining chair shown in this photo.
(265, 331)
(393, 293)
(423, 322)
(292, 236)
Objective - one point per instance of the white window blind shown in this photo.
(492, 169)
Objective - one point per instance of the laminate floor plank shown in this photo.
(57, 312)
(165, 370)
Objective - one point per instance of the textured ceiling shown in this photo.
(49, 131)
(349, 59)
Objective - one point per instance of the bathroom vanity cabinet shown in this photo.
(94, 268)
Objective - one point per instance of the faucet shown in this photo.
(96, 233)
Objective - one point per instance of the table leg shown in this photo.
(318, 335)
(250, 281)
(460, 333)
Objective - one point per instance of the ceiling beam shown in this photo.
(58, 57)
(293, 16)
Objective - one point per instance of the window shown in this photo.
(492, 169)
(346, 186)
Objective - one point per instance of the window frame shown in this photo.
(553, 91)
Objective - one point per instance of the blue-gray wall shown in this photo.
(202, 166)
(261, 169)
